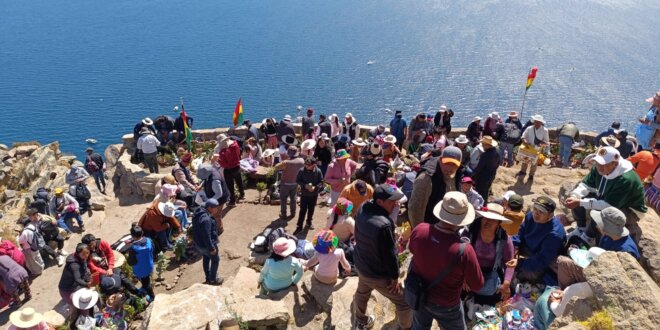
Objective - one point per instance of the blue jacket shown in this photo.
(624, 244)
(541, 243)
(205, 230)
(144, 252)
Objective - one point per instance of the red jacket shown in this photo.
(7, 248)
(230, 157)
(104, 251)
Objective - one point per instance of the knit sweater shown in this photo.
(278, 275)
(541, 242)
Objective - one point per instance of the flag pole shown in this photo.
(523, 104)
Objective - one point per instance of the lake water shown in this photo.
(74, 69)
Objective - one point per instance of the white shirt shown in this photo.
(148, 144)
(26, 237)
(541, 133)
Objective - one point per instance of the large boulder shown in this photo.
(254, 311)
(112, 154)
(645, 230)
(625, 291)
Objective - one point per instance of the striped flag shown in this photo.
(238, 113)
(187, 130)
(530, 77)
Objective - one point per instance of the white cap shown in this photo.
(508, 194)
(606, 155)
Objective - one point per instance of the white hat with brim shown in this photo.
(166, 209)
(287, 118)
(390, 139)
(85, 298)
(494, 212)
(308, 144)
(290, 140)
(324, 136)
(119, 258)
(268, 153)
(462, 139)
(538, 118)
(358, 142)
(454, 209)
(477, 118)
(611, 221)
(25, 318)
(147, 121)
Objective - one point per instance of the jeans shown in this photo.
(60, 245)
(210, 263)
(589, 227)
(509, 153)
(307, 206)
(146, 286)
(182, 216)
(288, 191)
(323, 168)
(234, 175)
(61, 222)
(565, 147)
(151, 162)
(99, 178)
(449, 318)
(365, 286)
(163, 239)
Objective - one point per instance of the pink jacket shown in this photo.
(335, 173)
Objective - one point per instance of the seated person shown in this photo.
(540, 240)
(610, 222)
(357, 193)
(513, 210)
(328, 257)
(281, 269)
(158, 222)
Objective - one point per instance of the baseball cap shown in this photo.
(516, 201)
(545, 204)
(606, 155)
(387, 192)
(452, 155)
(466, 179)
(611, 221)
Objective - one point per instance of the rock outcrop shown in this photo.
(132, 181)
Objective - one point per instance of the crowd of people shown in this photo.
(396, 188)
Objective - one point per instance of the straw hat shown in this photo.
(488, 140)
(25, 318)
(538, 118)
(513, 114)
(391, 139)
(610, 141)
(147, 121)
(308, 144)
(494, 211)
(454, 209)
(359, 142)
(119, 258)
(268, 153)
(324, 136)
(85, 298)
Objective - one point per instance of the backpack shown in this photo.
(37, 242)
(91, 165)
(82, 192)
(512, 133)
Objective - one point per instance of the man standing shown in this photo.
(285, 128)
(324, 126)
(510, 136)
(32, 242)
(568, 133)
(540, 239)
(376, 257)
(612, 182)
(205, 238)
(94, 164)
(351, 127)
(288, 184)
(179, 128)
(536, 136)
(486, 170)
(252, 131)
(310, 180)
(399, 128)
(437, 248)
(437, 175)
(308, 122)
(229, 157)
(148, 144)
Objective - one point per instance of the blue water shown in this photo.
(74, 69)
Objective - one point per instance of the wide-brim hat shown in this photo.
(268, 153)
(166, 209)
(119, 258)
(488, 140)
(476, 118)
(25, 318)
(607, 220)
(342, 154)
(221, 138)
(284, 246)
(85, 298)
(287, 118)
(147, 121)
(454, 209)
(462, 139)
(611, 141)
(513, 114)
(359, 142)
(494, 211)
(324, 136)
(290, 140)
(538, 118)
(390, 139)
(308, 144)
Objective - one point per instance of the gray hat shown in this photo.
(611, 221)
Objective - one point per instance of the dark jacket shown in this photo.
(510, 132)
(474, 131)
(253, 131)
(306, 177)
(75, 275)
(373, 171)
(205, 230)
(178, 123)
(487, 167)
(307, 123)
(97, 159)
(375, 251)
(325, 127)
(164, 123)
(323, 155)
(429, 189)
(284, 128)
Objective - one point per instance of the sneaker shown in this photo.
(90, 213)
(530, 178)
(310, 226)
(521, 173)
(231, 204)
(62, 253)
(218, 281)
(60, 261)
(371, 320)
(241, 197)
(297, 231)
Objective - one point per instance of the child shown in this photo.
(328, 257)
(281, 270)
(467, 187)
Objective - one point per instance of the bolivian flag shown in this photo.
(187, 130)
(530, 77)
(238, 113)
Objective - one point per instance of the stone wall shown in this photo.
(132, 181)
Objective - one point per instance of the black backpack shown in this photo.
(82, 191)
